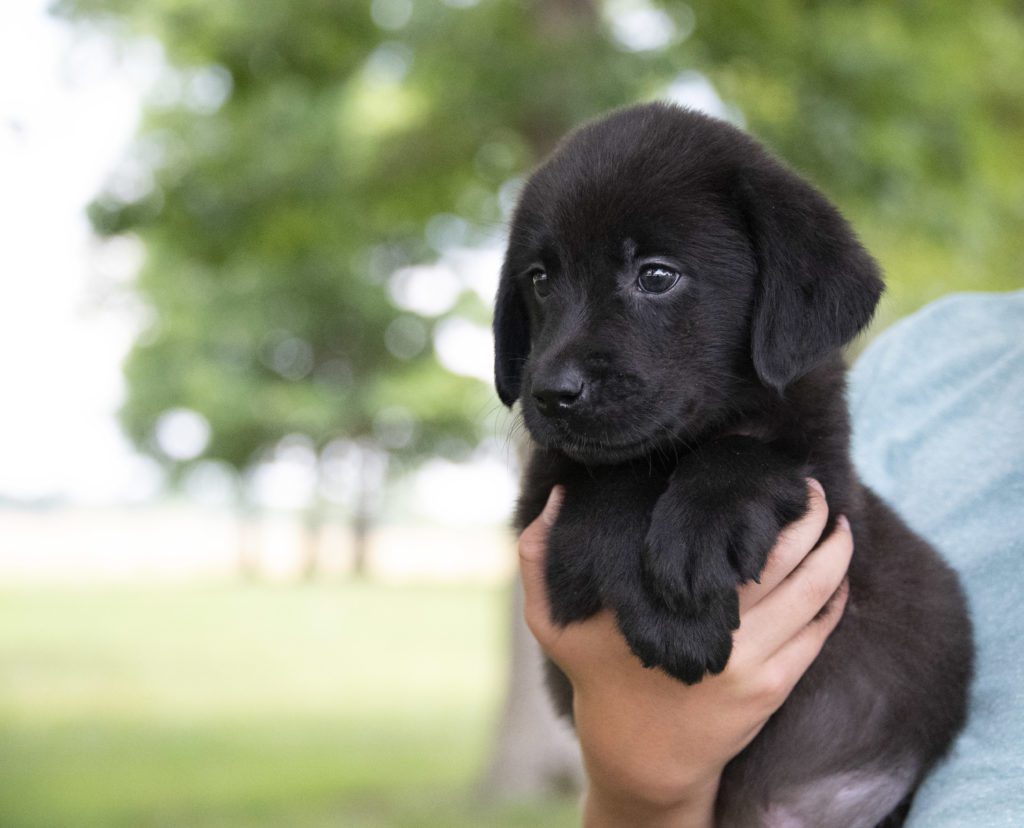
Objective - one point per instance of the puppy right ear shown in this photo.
(818, 286)
(511, 339)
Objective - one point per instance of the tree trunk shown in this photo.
(535, 753)
(312, 538)
(360, 543)
(248, 556)
(313, 530)
(362, 517)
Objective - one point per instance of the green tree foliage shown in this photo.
(311, 142)
(266, 259)
(909, 114)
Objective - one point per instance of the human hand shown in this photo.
(654, 748)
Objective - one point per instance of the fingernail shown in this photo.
(843, 522)
(814, 484)
(553, 505)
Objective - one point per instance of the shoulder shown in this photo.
(936, 408)
(943, 340)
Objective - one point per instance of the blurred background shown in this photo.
(254, 482)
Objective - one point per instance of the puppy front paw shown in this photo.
(686, 646)
(700, 547)
(685, 558)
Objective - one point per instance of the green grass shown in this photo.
(234, 705)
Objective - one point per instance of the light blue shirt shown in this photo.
(938, 411)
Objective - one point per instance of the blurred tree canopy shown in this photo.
(301, 152)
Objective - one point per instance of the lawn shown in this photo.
(233, 705)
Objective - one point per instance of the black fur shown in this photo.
(683, 425)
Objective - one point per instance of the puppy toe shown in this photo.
(686, 646)
(685, 562)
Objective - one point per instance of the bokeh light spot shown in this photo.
(391, 14)
(182, 434)
(405, 337)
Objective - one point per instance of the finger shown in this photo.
(796, 655)
(795, 541)
(533, 543)
(791, 606)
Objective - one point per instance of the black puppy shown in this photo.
(670, 313)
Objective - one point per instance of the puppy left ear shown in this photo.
(511, 339)
(818, 286)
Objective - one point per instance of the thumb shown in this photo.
(533, 547)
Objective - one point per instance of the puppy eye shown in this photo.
(541, 283)
(657, 279)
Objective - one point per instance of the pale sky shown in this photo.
(66, 113)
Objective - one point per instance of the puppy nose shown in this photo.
(558, 390)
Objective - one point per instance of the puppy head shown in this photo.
(659, 262)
